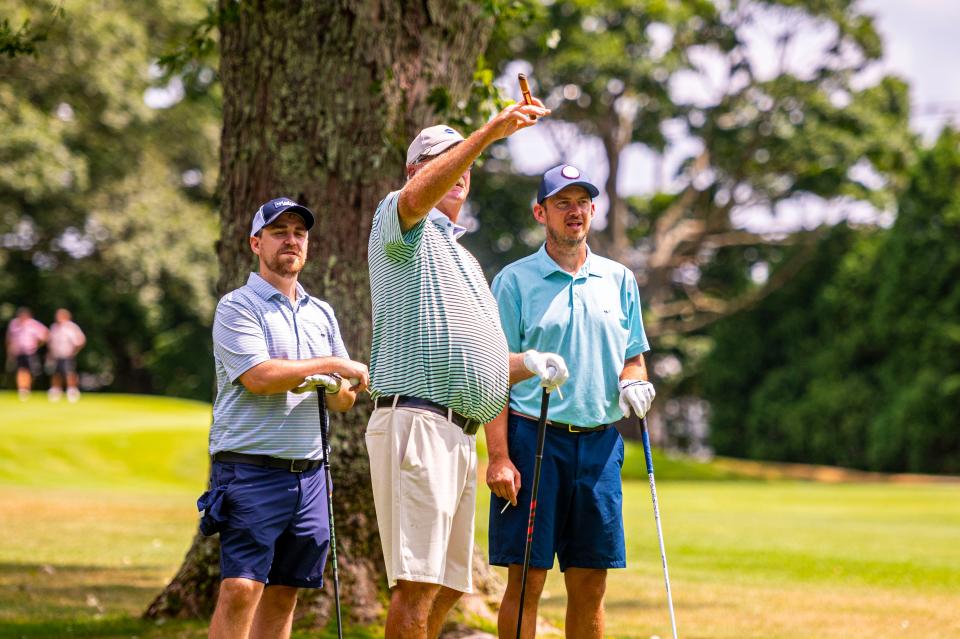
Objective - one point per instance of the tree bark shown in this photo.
(320, 100)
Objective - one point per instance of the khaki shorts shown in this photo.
(424, 473)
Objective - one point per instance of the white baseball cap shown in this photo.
(433, 140)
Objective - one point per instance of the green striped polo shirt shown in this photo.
(436, 329)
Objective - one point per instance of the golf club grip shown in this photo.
(328, 478)
(645, 436)
(541, 439)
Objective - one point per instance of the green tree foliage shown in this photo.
(854, 362)
(107, 200)
(762, 96)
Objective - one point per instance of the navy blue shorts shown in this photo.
(579, 504)
(273, 524)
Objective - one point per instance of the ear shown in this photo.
(255, 244)
(539, 213)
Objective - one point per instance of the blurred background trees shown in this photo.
(855, 361)
(730, 136)
(107, 179)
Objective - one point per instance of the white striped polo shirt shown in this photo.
(436, 330)
(253, 324)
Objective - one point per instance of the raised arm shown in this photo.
(430, 183)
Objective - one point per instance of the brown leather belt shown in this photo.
(570, 428)
(266, 461)
(469, 426)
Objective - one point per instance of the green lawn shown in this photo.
(97, 509)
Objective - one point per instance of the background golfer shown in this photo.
(438, 370)
(66, 340)
(565, 304)
(267, 496)
(25, 335)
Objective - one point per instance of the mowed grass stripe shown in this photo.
(120, 442)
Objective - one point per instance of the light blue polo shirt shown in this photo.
(253, 324)
(591, 319)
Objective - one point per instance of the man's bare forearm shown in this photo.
(518, 370)
(282, 375)
(496, 433)
(635, 368)
(435, 179)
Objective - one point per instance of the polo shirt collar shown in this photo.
(266, 290)
(453, 230)
(548, 266)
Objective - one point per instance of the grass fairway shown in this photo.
(96, 511)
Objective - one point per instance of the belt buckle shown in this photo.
(293, 466)
(571, 427)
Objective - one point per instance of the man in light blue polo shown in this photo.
(561, 307)
(267, 496)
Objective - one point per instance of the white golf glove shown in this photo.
(549, 367)
(330, 383)
(636, 394)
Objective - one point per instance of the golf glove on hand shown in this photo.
(636, 394)
(330, 383)
(549, 367)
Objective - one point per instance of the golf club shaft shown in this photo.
(541, 437)
(325, 443)
(656, 515)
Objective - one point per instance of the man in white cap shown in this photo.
(439, 369)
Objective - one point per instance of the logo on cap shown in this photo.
(450, 131)
(570, 172)
(278, 203)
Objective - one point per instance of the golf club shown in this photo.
(656, 515)
(325, 443)
(541, 437)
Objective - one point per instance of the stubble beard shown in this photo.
(565, 244)
(285, 269)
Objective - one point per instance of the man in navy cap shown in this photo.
(267, 496)
(565, 303)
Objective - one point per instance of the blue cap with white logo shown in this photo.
(276, 207)
(562, 176)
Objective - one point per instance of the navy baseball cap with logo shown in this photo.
(562, 176)
(276, 207)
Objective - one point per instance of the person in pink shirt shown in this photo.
(25, 335)
(66, 340)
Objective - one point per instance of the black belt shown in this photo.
(469, 426)
(266, 461)
(570, 428)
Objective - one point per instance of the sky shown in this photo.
(921, 44)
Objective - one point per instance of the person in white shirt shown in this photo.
(65, 341)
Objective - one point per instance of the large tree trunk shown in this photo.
(320, 99)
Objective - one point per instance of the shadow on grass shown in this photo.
(44, 600)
